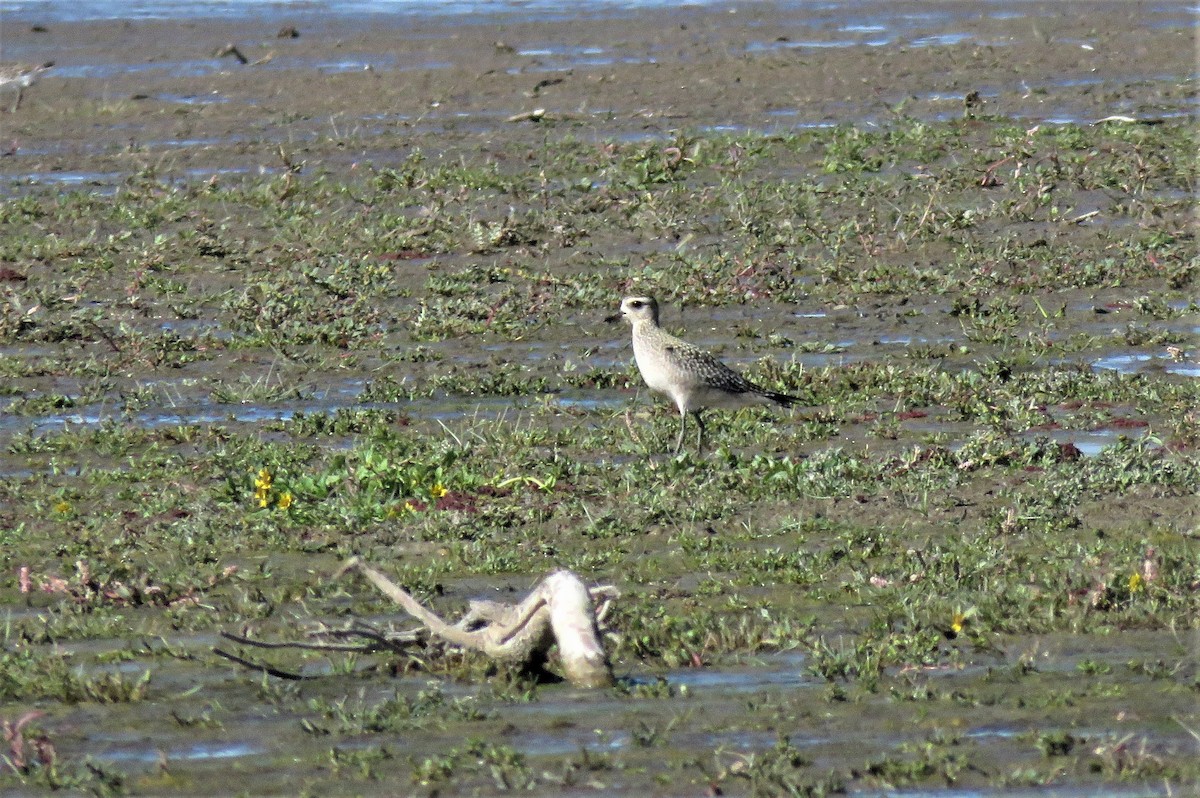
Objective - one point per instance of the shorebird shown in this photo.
(22, 76)
(693, 378)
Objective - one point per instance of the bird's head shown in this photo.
(639, 308)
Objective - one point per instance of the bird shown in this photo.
(693, 378)
(22, 76)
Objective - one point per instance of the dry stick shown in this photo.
(574, 623)
(409, 604)
(559, 610)
(104, 334)
(397, 641)
(522, 620)
(377, 642)
(246, 641)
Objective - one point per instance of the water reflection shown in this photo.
(195, 752)
(1135, 362)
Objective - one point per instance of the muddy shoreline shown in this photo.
(145, 94)
(350, 298)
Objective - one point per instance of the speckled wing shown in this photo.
(703, 368)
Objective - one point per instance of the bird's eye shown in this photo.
(637, 303)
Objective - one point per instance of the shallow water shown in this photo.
(565, 722)
(1135, 362)
(172, 108)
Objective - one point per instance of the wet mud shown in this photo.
(161, 204)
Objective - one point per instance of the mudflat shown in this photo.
(153, 93)
(283, 290)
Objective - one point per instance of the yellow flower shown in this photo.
(960, 619)
(438, 491)
(1136, 583)
(63, 507)
(410, 507)
(285, 500)
(262, 488)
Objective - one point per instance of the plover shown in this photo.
(22, 76)
(693, 378)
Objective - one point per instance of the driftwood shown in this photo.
(373, 641)
(558, 611)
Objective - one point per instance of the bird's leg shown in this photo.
(682, 429)
(699, 433)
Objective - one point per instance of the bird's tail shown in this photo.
(781, 399)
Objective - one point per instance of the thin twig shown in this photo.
(258, 666)
(246, 641)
